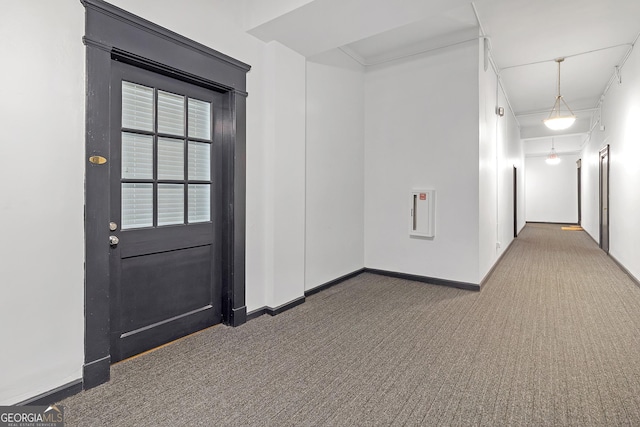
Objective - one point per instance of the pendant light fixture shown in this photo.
(552, 158)
(556, 121)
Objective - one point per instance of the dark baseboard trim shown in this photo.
(284, 307)
(238, 316)
(624, 269)
(56, 395)
(552, 223)
(333, 282)
(254, 314)
(495, 264)
(274, 311)
(425, 279)
(96, 372)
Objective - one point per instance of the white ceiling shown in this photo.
(525, 37)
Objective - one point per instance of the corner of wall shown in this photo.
(285, 104)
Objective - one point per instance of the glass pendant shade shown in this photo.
(559, 122)
(552, 158)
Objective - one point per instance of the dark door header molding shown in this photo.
(109, 26)
(156, 67)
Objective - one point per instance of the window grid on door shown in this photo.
(166, 158)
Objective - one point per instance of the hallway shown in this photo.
(551, 339)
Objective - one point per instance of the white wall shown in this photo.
(335, 168)
(500, 150)
(487, 165)
(42, 207)
(552, 190)
(421, 130)
(621, 110)
(285, 178)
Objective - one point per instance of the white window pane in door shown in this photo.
(170, 204)
(137, 205)
(170, 158)
(199, 119)
(137, 106)
(199, 202)
(170, 113)
(199, 161)
(137, 156)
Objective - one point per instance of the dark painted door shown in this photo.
(604, 199)
(165, 163)
(579, 168)
(515, 202)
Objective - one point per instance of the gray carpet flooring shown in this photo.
(552, 339)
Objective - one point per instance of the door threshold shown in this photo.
(135, 356)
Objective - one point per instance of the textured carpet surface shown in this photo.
(552, 339)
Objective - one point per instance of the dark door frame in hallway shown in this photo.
(579, 169)
(113, 34)
(515, 201)
(604, 172)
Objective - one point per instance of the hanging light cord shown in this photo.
(559, 61)
(556, 105)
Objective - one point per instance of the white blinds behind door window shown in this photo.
(170, 113)
(137, 156)
(199, 202)
(137, 205)
(170, 204)
(199, 119)
(199, 161)
(170, 158)
(137, 106)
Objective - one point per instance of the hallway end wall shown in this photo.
(552, 190)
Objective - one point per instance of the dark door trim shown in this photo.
(113, 34)
(604, 153)
(579, 169)
(515, 201)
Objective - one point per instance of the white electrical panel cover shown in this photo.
(423, 213)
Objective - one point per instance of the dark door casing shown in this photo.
(579, 171)
(515, 202)
(604, 199)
